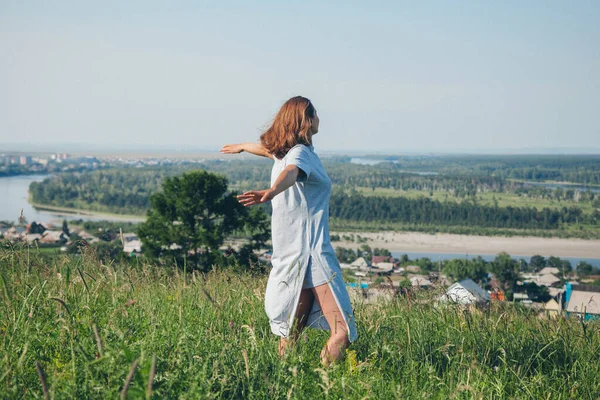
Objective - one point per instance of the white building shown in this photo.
(420, 281)
(549, 270)
(360, 263)
(465, 292)
(133, 246)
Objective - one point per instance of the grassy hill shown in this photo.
(86, 330)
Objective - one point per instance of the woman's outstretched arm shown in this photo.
(252, 148)
(286, 179)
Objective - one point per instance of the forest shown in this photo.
(431, 212)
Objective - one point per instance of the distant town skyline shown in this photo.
(387, 77)
(92, 149)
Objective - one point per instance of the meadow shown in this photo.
(74, 327)
(502, 199)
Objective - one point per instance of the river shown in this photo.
(564, 186)
(13, 198)
(370, 161)
(487, 257)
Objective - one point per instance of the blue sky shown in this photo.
(385, 76)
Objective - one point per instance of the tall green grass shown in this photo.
(84, 329)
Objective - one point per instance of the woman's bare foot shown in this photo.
(334, 349)
(284, 345)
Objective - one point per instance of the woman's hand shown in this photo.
(285, 180)
(252, 148)
(253, 197)
(232, 148)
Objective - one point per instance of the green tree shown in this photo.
(537, 262)
(535, 292)
(381, 252)
(366, 252)
(506, 270)
(345, 255)
(554, 262)
(460, 269)
(190, 218)
(584, 269)
(426, 264)
(108, 251)
(564, 266)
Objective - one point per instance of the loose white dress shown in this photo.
(300, 233)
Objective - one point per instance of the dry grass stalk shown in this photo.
(42, 376)
(98, 340)
(151, 377)
(245, 355)
(129, 378)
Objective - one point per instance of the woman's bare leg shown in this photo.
(338, 341)
(304, 306)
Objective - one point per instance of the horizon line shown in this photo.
(181, 149)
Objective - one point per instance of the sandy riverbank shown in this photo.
(466, 244)
(86, 213)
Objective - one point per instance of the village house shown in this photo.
(129, 237)
(31, 238)
(412, 268)
(133, 246)
(131, 243)
(382, 268)
(375, 260)
(88, 237)
(542, 279)
(360, 264)
(591, 278)
(15, 233)
(54, 237)
(421, 281)
(582, 301)
(522, 297)
(549, 270)
(548, 280)
(465, 292)
(552, 308)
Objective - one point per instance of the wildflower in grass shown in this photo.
(351, 360)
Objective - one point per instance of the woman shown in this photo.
(305, 286)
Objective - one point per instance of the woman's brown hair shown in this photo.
(291, 126)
